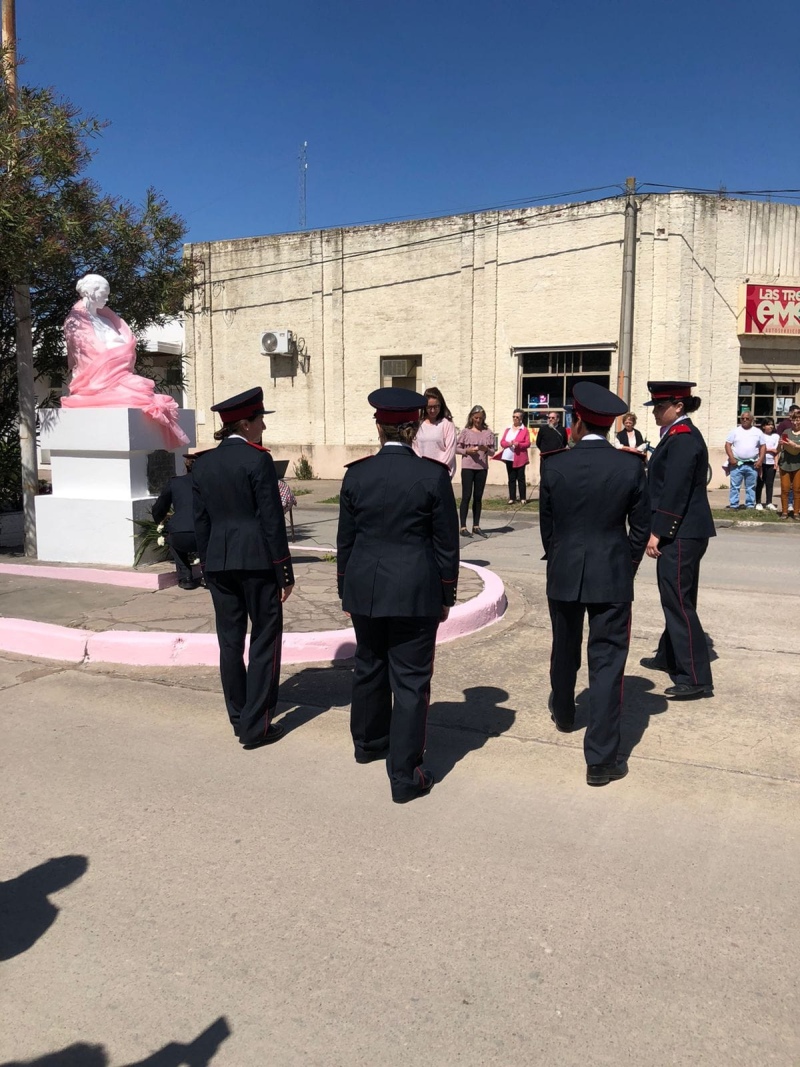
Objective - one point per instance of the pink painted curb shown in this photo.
(162, 649)
(95, 575)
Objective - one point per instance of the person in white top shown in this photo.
(745, 450)
(766, 476)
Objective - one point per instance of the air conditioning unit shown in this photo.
(276, 342)
(396, 368)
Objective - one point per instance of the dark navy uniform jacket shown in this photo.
(177, 495)
(587, 495)
(677, 477)
(397, 546)
(238, 517)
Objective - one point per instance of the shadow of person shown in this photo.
(25, 910)
(639, 704)
(461, 728)
(198, 1053)
(712, 654)
(313, 691)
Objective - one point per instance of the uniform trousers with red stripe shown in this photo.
(251, 693)
(391, 692)
(683, 648)
(606, 655)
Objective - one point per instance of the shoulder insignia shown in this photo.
(633, 452)
(555, 452)
(680, 428)
(353, 462)
(261, 448)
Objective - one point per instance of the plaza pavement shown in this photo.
(513, 917)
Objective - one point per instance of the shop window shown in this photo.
(548, 378)
(767, 399)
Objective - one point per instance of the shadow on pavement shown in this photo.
(26, 913)
(465, 727)
(197, 1053)
(315, 690)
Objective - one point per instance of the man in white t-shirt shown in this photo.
(746, 449)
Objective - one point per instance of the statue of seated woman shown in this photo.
(101, 353)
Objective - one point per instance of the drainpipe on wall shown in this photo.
(628, 287)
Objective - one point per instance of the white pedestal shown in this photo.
(99, 460)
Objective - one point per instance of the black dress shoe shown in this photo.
(653, 663)
(365, 756)
(603, 773)
(688, 692)
(274, 733)
(425, 779)
(189, 583)
(562, 727)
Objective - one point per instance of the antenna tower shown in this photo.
(302, 160)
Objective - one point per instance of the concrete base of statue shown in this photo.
(108, 465)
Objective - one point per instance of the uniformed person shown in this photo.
(587, 495)
(244, 553)
(397, 568)
(681, 527)
(178, 496)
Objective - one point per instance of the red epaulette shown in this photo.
(555, 452)
(680, 428)
(633, 452)
(353, 462)
(261, 448)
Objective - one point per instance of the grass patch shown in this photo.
(302, 492)
(746, 515)
(330, 500)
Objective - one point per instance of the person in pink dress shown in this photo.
(475, 444)
(436, 437)
(101, 353)
(514, 445)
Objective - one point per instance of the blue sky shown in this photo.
(418, 108)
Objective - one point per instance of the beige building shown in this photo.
(500, 308)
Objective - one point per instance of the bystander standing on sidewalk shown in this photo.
(745, 452)
(766, 476)
(789, 465)
(475, 444)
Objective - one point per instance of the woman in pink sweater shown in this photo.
(475, 444)
(436, 437)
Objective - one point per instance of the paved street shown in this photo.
(513, 917)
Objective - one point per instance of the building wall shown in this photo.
(465, 293)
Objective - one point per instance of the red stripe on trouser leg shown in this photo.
(685, 616)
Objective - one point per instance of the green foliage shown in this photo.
(303, 470)
(146, 538)
(57, 225)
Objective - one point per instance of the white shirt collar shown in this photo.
(593, 437)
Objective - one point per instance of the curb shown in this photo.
(136, 648)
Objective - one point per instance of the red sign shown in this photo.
(772, 309)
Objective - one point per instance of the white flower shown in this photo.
(160, 527)
(161, 542)
(196, 561)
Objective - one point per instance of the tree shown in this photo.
(57, 225)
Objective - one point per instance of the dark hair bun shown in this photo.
(691, 403)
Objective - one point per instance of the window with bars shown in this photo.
(547, 378)
(767, 399)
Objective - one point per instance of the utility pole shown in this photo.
(628, 288)
(302, 161)
(22, 311)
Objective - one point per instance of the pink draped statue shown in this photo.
(101, 352)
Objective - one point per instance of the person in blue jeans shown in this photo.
(745, 448)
